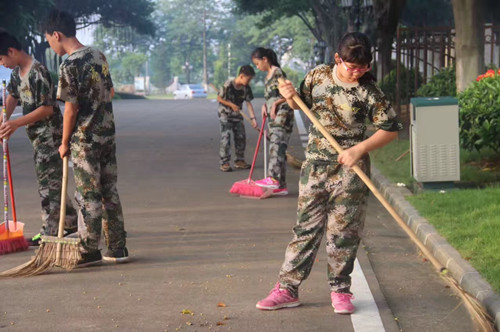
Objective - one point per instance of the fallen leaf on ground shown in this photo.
(187, 312)
(220, 323)
(221, 304)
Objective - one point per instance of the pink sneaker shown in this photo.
(277, 299)
(280, 192)
(268, 182)
(341, 302)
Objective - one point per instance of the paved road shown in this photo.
(196, 248)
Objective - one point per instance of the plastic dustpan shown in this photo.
(15, 229)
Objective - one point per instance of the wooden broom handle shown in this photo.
(64, 191)
(367, 181)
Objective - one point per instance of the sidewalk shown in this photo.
(467, 277)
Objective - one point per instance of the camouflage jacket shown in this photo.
(343, 109)
(84, 79)
(34, 90)
(271, 94)
(235, 95)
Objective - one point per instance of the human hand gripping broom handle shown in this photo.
(368, 182)
(62, 214)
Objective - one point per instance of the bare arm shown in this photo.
(252, 114)
(227, 103)
(9, 127)
(69, 120)
(288, 92)
(10, 105)
(380, 138)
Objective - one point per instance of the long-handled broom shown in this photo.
(11, 231)
(476, 310)
(248, 188)
(53, 251)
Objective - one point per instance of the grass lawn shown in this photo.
(468, 218)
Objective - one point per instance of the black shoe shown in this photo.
(90, 259)
(116, 255)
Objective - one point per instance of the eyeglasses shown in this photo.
(355, 70)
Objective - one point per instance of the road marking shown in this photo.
(367, 316)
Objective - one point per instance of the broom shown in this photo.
(476, 310)
(247, 188)
(11, 232)
(53, 251)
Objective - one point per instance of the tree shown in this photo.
(469, 40)
(327, 20)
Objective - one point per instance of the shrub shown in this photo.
(444, 83)
(407, 84)
(480, 113)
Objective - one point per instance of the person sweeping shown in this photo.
(332, 198)
(231, 98)
(280, 117)
(86, 88)
(32, 84)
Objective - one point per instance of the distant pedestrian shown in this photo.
(280, 120)
(86, 88)
(332, 198)
(31, 83)
(231, 98)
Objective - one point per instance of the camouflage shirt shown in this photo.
(272, 93)
(236, 95)
(84, 79)
(343, 109)
(34, 90)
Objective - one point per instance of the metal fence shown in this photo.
(420, 52)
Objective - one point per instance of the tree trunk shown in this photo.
(387, 14)
(328, 22)
(469, 40)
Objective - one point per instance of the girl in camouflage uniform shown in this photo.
(31, 83)
(332, 198)
(280, 120)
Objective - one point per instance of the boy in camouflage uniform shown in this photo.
(332, 198)
(231, 98)
(89, 135)
(31, 83)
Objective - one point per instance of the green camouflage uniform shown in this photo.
(34, 90)
(332, 198)
(280, 129)
(232, 122)
(84, 80)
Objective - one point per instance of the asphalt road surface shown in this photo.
(200, 257)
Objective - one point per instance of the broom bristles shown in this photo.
(481, 318)
(13, 245)
(45, 259)
(294, 162)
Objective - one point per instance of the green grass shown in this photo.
(385, 161)
(469, 220)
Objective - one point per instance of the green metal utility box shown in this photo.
(434, 139)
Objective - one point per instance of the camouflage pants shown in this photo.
(48, 167)
(279, 136)
(332, 199)
(237, 130)
(95, 171)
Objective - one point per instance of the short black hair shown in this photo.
(8, 41)
(247, 70)
(59, 21)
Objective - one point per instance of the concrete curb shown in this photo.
(460, 269)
